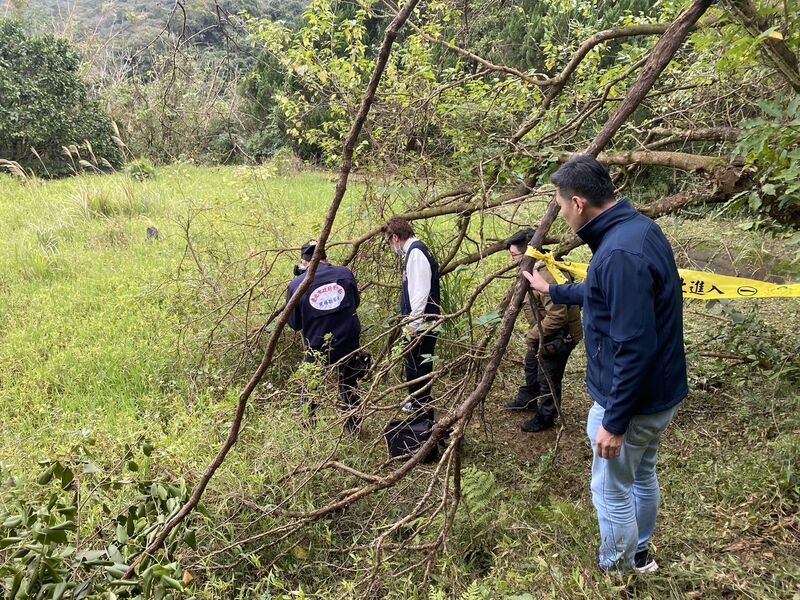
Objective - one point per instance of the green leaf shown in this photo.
(12, 522)
(169, 582)
(65, 526)
(123, 583)
(91, 555)
(769, 188)
(47, 475)
(59, 589)
(114, 554)
(122, 535)
(492, 317)
(161, 491)
(191, 539)
(117, 570)
(90, 469)
(57, 536)
(67, 477)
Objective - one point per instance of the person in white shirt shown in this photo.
(420, 304)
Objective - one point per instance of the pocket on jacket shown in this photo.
(605, 364)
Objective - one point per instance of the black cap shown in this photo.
(520, 239)
(307, 251)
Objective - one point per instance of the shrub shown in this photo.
(141, 169)
(46, 106)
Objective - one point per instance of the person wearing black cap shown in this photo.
(326, 314)
(561, 326)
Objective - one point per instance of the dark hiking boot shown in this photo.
(536, 424)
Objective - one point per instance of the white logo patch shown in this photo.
(327, 297)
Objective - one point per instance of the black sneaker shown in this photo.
(643, 563)
(535, 425)
(520, 404)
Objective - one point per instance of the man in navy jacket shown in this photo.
(326, 314)
(636, 367)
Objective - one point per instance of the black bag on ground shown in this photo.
(404, 438)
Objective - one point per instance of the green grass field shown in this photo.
(101, 330)
(89, 328)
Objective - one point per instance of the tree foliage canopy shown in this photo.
(503, 90)
(46, 105)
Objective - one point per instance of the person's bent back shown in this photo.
(327, 314)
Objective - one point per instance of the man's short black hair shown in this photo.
(307, 251)
(585, 176)
(520, 239)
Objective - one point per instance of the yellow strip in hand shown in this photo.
(556, 266)
(696, 284)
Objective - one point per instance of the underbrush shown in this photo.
(119, 369)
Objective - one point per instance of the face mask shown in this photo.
(398, 251)
(299, 270)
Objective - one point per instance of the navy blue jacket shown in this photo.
(328, 308)
(632, 317)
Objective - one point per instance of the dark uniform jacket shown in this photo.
(328, 308)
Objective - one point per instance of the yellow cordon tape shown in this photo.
(696, 284)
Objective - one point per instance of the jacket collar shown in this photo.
(408, 243)
(595, 230)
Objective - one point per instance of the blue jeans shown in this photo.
(625, 489)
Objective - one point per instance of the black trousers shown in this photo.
(419, 362)
(346, 372)
(536, 385)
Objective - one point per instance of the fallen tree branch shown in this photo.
(683, 136)
(453, 208)
(683, 161)
(710, 166)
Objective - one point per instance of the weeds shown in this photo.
(101, 335)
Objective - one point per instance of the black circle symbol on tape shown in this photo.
(747, 290)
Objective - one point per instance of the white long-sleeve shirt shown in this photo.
(418, 276)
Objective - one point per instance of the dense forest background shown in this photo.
(235, 82)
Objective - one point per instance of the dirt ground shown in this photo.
(500, 429)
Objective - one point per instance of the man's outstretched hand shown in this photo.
(538, 283)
